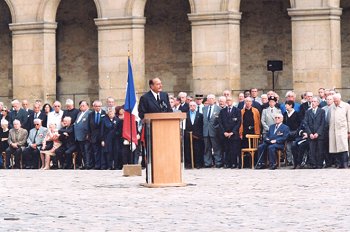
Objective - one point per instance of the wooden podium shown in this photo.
(164, 149)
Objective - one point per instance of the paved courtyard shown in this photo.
(215, 200)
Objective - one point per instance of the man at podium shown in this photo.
(154, 101)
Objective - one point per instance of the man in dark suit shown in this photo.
(194, 124)
(184, 107)
(230, 122)
(314, 127)
(17, 113)
(154, 101)
(306, 105)
(70, 111)
(94, 120)
(65, 151)
(25, 106)
(36, 114)
(274, 140)
(81, 130)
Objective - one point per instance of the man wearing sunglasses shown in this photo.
(35, 139)
(274, 140)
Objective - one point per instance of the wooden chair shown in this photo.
(282, 153)
(253, 142)
(74, 157)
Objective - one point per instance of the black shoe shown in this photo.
(28, 167)
(218, 166)
(226, 166)
(273, 167)
(260, 166)
(234, 166)
(207, 166)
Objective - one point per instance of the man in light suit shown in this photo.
(194, 124)
(314, 127)
(154, 101)
(210, 128)
(35, 139)
(81, 130)
(17, 140)
(274, 140)
(268, 115)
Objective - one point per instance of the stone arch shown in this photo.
(137, 7)
(48, 9)
(12, 10)
(76, 51)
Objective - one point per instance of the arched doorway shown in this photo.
(77, 51)
(345, 45)
(168, 44)
(6, 92)
(265, 35)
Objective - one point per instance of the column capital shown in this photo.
(33, 28)
(120, 23)
(315, 14)
(217, 18)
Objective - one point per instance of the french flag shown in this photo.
(130, 108)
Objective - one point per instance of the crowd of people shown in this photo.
(47, 136)
(312, 132)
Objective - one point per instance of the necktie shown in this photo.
(97, 119)
(229, 110)
(209, 112)
(36, 115)
(276, 129)
(192, 117)
(197, 108)
(314, 111)
(158, 99)
(36, 133)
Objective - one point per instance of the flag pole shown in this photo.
(130, 116)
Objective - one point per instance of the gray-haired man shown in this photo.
(35, 139)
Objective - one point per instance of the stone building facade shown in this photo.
(78, 49)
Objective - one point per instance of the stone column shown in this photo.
(34, 60)
(115, 37)
(215, 51)
(316, 48)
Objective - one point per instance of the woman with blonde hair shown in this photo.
(50, 144)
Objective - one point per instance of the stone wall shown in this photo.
(168, 51)
(77, 50)
(265, 35)
(5, 54)
(345, 54)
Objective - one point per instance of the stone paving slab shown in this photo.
(215, 200)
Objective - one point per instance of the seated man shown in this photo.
(65, 151)
(17, 140)
(35, 140)
(300, 146)
(274, 140)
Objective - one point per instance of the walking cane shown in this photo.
(191, 144)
